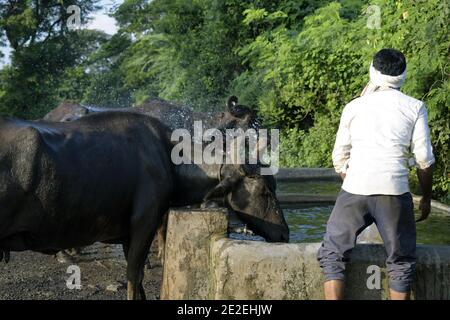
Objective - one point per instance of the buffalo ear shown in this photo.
(223, 188)
(251, 169)
(232, 102)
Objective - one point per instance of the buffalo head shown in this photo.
(238, 116)
(253, 197)
(67, 111)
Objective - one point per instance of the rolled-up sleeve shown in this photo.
(342, 145)
(420, 141)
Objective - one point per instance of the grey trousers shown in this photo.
(394, 217)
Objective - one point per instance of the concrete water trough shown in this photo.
(202, 262)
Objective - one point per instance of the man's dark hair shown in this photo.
(390, 62)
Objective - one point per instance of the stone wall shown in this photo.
(202, 263)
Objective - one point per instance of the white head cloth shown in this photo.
(382, 81)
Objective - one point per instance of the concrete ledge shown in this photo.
(307, 174)
(202, 263)
(436, 205)
(256, 270)
(305, 199)
(326, 174)
(297, 198)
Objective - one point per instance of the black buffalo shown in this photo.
(172, 115)
(235, 116)
(108, 177)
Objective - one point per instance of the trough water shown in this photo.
(307, 223)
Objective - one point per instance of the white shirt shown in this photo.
(379, 134)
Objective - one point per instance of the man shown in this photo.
(377, 134)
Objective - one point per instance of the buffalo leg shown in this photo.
(161, 237)
(160, 242)
(143, 229)
(126, 246)
(137, 255)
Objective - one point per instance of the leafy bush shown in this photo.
(310, 71)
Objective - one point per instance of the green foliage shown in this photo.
(106, 79)
(43, 48)
(312, 148)
(188, 56)
(307, 73)
(298, 62)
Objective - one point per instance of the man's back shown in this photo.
(378, 133)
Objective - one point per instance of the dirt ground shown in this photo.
(34, 276)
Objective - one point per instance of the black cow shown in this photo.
(172, 115)
(236, 116)
(109, 177)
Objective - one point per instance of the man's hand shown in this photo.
(424, 207)
(426, 182)
(342, 175)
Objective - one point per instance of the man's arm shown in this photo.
(426, 183)
(424, 158)
(342, 147)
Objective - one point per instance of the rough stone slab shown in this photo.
(190, 234)
(433, 273)
(201, 263)
(257, 270)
